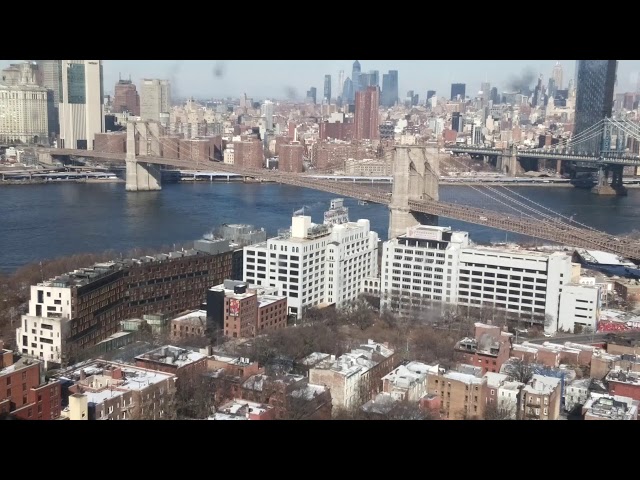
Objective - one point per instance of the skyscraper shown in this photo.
(485, 88)
(312, 95)
(390, 88)
(355, 77)
(24, 108)
(495, 98)
(557, 75)
(347, 91)
(366, 116)
(458, 89)
(155, 98)
(327, 89)
(595, 81)
(374, 78)
(49, 76)
(341, 84)
(126, 98)
(81, 112)
(430, 93)
(267, 112)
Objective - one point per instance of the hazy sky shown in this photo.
(279, 78)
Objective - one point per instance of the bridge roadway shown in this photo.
(609, 158)
(561, 233)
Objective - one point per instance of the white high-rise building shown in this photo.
(267, 113)
(81, 110)
(24, 109)
(155, 98)
(437, 264)
(314, 264)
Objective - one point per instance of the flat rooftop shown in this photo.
(170, 355)
(87, 275)
(191, 316)
(266, 300)
(21, 363)
(99, 385)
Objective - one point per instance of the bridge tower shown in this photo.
(415, 177)
(142, 140)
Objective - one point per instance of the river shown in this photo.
(40, 222)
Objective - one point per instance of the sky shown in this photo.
(280, 79)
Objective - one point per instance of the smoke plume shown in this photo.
(522, 83)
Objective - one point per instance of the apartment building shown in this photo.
(241, 311)
(313, 264)
(461, 394)
(74, 312)
(579, 307)
(408, 382)
(101, 390)
(509, 398)
(610, 407)
(489, 349)
(24, 391)
(541, 398)
(355, 377)
(437, 264)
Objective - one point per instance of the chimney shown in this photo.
(116, 373)
(82, 374)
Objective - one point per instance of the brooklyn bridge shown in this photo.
(414, 196)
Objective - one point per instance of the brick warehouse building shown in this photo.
(74, 312)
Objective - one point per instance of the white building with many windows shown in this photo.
(420, 266)
(44, 328)
(313, 264)
(437, 264)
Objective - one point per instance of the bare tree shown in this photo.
(359, 313)
(493, 411)
(519, 370)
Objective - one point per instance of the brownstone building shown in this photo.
(126, 98)
(490, 348)
(110, 142)
(190, 325)
(292, 396)
(290, 158)
(170, 146)
(24, 392)
(335, 131)
(196, 150)
(628, 289)
(248, 154)
(366, 119)
(227, 374)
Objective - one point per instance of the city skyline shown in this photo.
(282, 79)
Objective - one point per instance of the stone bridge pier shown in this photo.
(603, 187)
(415, 177)
(507, 163)
(142, 140)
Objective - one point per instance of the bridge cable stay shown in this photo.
(509, 198)
(587, 134)
(553, 220)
